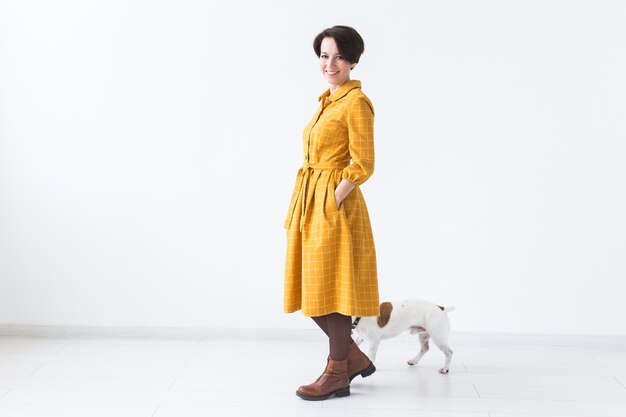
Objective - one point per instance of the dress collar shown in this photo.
(341, 91)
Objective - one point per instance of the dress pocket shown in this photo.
(334, 200)
(331, 203)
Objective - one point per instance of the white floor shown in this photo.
(491, 376)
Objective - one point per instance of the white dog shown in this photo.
(418, 316)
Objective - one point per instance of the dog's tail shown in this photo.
(448, 309)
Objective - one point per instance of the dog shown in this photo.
(427, 319)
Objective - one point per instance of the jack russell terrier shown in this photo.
(418, 316)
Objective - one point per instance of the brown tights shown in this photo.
(338, 329)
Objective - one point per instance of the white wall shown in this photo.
(148, 152)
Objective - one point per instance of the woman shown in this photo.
(330, 270)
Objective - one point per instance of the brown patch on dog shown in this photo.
(385, 314)
(442, 308)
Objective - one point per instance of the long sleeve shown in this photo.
(361, 146)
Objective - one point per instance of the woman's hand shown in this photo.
(344, 188)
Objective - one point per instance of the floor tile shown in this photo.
(608, 395)
(76, 410)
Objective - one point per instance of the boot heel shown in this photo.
(370, 370)
(343, 392)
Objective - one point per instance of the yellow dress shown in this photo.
(331, 259)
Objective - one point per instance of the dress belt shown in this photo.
(306, 172)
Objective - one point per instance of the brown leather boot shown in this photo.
(358, 363)
(334, 381)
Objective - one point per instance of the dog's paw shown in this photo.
(412, 362)
(443, 370)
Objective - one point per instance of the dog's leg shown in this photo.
(373, 348)
(358, 340)
(424, 336)
(443, 345)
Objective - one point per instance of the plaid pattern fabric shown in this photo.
(331, 259)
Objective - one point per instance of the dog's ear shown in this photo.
(385, 314)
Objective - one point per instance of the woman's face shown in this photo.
(335, 68)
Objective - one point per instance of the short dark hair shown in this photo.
(349, 43)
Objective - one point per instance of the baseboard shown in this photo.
(177, 333)
(197, 333)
